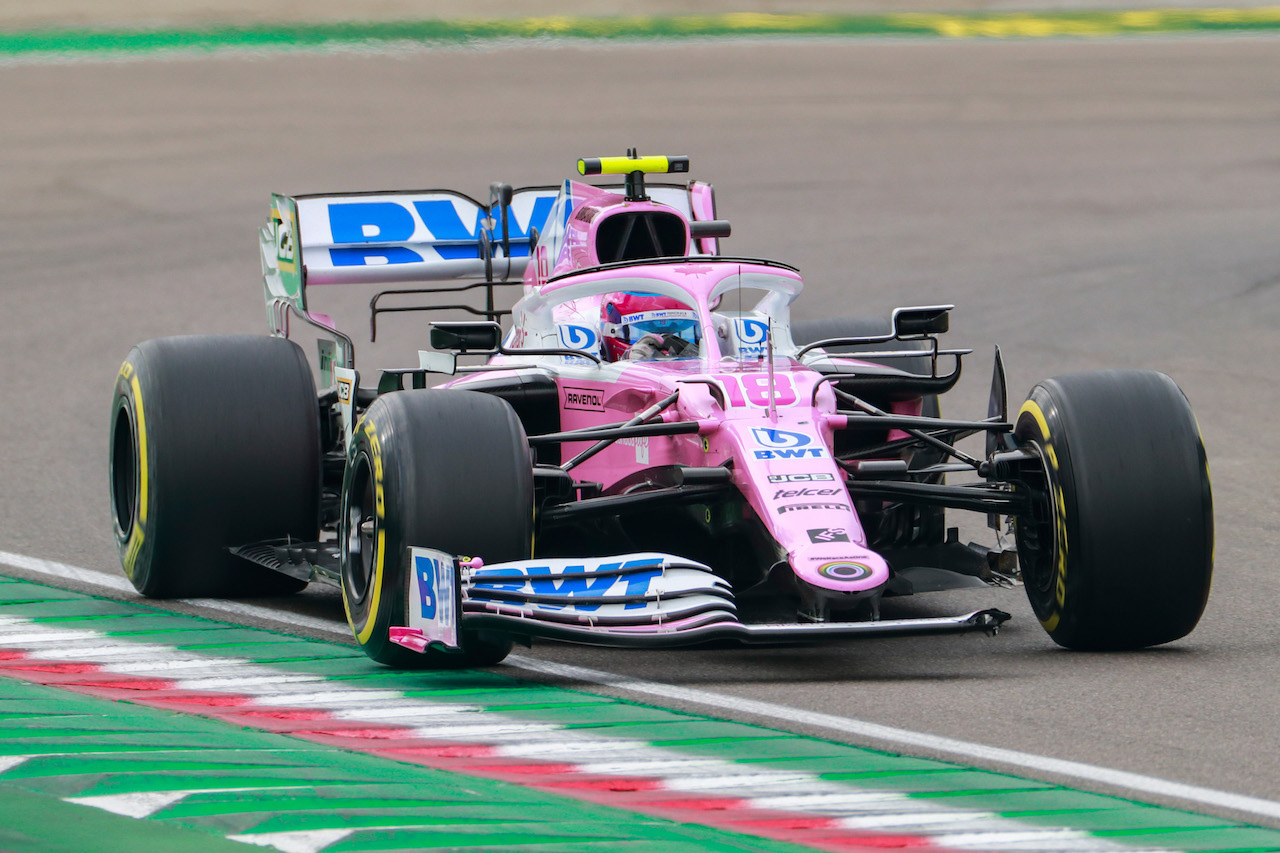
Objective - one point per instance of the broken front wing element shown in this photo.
(649, 600)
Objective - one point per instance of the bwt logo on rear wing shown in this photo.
(412, 236)
(389, 238)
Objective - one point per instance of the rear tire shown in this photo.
(1119, 554)
(214, 443)
(449, 470)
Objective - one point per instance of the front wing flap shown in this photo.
(646, 599)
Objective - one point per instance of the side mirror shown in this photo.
(466, 337)
(931, 320)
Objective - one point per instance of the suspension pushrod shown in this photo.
(648, 414)
(928, 439)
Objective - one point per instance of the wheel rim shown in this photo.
(124, 472)
(360, 533)
(1037, 532)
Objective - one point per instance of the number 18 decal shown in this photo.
(753, 389)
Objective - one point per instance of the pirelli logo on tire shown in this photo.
(363, 616)
(130, 503)
(375, 453)
(1059, 501)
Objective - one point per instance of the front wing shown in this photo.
(648, 600)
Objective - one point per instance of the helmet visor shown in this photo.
(665, 321)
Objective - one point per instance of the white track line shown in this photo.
(916, 740)
(950, 747)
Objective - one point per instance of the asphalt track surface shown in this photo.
(1085, 204)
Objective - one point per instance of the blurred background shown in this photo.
(1085, 202)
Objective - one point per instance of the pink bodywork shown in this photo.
(780, 454)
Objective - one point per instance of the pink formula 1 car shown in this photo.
(643, 451)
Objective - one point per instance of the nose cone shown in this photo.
(840, 567)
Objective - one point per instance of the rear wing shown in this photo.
(392, 238)
(407, 237)
(396, 237)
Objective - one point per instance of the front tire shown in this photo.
(449, 470)
(1119, 553)
(215, 442)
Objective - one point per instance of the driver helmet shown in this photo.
(628, 317)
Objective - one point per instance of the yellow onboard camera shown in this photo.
(634, 167)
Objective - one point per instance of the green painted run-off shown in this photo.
(58, 749)
(743, 24)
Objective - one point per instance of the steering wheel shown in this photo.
(667, 346)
